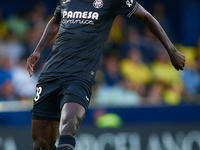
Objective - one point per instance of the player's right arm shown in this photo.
(50, 31)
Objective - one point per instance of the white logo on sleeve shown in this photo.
(66, 1)
(129, 3)
(87, 98)
(98, 4)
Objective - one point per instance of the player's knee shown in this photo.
(40, 144)
(69, 127)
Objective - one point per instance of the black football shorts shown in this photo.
(53, 92)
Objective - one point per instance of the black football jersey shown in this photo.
(84, 28)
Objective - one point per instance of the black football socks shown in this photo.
(66, 142)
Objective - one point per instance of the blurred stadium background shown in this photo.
(140, 102)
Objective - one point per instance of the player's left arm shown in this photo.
(177, 59)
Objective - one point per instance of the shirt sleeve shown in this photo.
(57, 12)
(125, 7)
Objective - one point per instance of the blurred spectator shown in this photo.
(111, 71)
(25, 86)
(172, 95)
(5, 70)
(154, 95)
(18, 24)
(116, 96)
(115, 91)
(190, 54)
(12, 48)
(170, 78)
(163, 71)
(191, 78)
(7, 91)
(134, 69)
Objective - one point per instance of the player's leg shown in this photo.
(46, 113)
(44, 134)
(74, 102)
(72, 115)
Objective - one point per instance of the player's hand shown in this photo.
(177, 59)
(31, 61)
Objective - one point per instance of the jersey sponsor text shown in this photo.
(79, 14)
(70, 17)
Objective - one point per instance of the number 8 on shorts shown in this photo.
(38, 92)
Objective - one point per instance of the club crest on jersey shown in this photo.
(129, 3)
(98, 4)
